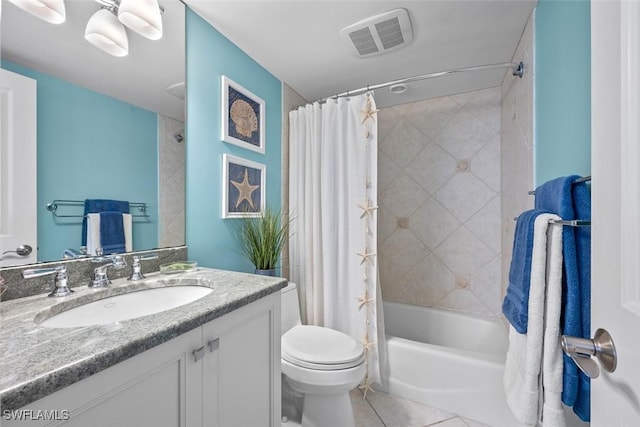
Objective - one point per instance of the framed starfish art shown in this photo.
(243, 187)
(242, 117)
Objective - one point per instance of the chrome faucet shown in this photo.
(136, 270)
(60, 283)
(100, 279)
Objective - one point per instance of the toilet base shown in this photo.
(327, 410)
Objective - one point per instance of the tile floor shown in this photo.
(384, 410)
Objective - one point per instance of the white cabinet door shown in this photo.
(242, 370)
(150, 389)
(18, 221)
(615, 63)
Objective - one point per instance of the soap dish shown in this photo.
(178, 267)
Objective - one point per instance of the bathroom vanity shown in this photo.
(212, 362)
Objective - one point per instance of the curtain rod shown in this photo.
(517, 67)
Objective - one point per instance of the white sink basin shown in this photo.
(127, 306)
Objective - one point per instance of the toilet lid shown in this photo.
(321, 348)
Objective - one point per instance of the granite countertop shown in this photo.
(37, 360)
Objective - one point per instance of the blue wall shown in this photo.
(91, 146)
(212, 240)
(562, 89)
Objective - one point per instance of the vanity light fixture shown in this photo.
(52, 11)
(105, 32)
(142, 16)
(106, 28)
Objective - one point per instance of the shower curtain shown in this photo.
(333, 192)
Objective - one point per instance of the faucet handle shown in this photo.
(136, 266)
(60, 288)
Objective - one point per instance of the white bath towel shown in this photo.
(524, 363)
(552, 365)
(93, 232)
(127, 223)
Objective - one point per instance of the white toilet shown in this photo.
(322, 364)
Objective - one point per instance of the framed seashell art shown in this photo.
(243, 187)
(243, 115)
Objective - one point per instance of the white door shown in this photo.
(17, 167)
(615, 86)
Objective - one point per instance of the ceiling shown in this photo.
(140, 78)
(298, 41)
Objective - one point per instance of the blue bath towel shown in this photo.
(515, 305)
(573, 201)
(101, 205)
(112, 233)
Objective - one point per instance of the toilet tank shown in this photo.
(290, 310)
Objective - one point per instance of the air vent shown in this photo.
(379, 34)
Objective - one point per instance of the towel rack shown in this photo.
(577, 181)
(572, 222)
(569, 222)
(53, 208)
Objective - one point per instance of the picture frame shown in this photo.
(243, 187)
(243, 117)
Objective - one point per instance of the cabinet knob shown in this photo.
(198, 354)
(214, 345)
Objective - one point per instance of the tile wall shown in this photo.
(454, 172)
(517, 144)
(171, 185)
(439, 200)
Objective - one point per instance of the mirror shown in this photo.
(74, 144)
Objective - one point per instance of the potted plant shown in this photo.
(263, 238)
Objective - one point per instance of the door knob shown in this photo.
(22, 250)
(581, 349)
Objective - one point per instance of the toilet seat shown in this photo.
(318, 348)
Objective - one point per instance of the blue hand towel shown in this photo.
(573, 201)
(515, 305)
(112, 233)
(101, 205)
(582, 208)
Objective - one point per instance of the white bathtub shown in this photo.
(448, 360)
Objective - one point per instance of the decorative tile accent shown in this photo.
(463, 166)
(403, 222)
(462, 282)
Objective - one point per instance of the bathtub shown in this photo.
(448, 360)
